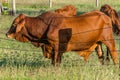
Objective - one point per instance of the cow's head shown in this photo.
(108, 10)
(16, 27)
(68, 10)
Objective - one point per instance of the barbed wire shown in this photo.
(36, 51)
(30, 50)
(63, 43)
(72, 34)
(26, 50)
(1, 38)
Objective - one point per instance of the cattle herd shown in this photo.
(63, 30)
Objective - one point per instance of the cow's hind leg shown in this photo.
(100, 53)
(107, 57)
(86, 53)
(111, 46)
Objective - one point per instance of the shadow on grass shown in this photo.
(42, 63)
(35, 60)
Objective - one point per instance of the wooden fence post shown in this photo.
(97, 3)
(0, 8)
(13, 7)
(50, 3)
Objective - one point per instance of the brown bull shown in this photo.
(71, 33)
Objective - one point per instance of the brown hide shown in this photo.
(28, 27)
(80, 33)
(112, 13)
(25, 29)
(68, 10)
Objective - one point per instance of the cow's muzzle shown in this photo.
(9, 35)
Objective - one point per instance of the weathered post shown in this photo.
(13, 7)
(97, 3)
(50, 3)
(0, 8)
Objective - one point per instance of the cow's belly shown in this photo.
(78, 46)
(81, 43)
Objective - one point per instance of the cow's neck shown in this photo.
(35, 28)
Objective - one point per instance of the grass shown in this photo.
(59, 73)
(23, 61)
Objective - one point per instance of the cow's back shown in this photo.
(78, 33)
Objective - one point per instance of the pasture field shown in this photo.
(23, 61)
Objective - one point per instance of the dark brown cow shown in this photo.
(68, 10)
(69, 33)
(31, 32)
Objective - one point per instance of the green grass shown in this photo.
(23, 61)
(59, 73)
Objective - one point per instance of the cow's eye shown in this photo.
(13, 28)
(14, 25)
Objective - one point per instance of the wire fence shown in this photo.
(38, 5)
(63, 2)
(54, 3)
(16, 54)
(117, 40)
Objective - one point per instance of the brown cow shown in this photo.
(47, 50)
(68, 10)
(33, 32)
(78, 33)
(111, 12)
(108, 10)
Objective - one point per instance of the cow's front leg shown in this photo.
(47, 50)
(56, 56)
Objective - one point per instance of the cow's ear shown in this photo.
(20, 26)
(19, 18)
(22, 16)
